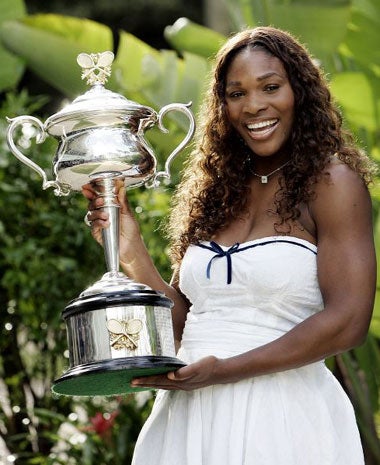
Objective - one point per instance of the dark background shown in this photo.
(145, 19)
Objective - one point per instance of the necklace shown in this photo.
(264, 178)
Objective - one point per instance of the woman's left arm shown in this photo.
(346, 262)
(346, 258)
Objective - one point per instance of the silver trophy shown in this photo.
(117, 329)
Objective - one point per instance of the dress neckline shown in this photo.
(225, 251)
(269, 238)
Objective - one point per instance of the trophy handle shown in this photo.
(184, 108)
(40, 137)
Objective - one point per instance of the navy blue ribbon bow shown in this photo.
(219, 252)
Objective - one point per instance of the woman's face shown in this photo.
(260, 101)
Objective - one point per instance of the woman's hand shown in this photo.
(98, 218)
(204, 372)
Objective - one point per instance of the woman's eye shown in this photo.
(271, 87)
(235, 94)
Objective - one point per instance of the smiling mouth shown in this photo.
(262, 126)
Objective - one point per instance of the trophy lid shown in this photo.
(98, 107)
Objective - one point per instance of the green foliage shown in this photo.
(320, 24)
(11, 66)
(156, 78)
(105, 434)
(39, 228)
(187, 36)
(361, 377)
(50, 44)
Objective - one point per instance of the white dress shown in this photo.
(243, 297)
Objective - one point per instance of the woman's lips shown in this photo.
(262, 129)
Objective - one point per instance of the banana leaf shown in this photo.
(320, 24)
(187, 36)
(362, 40)
(49, 45)
(358, 94)
(12, 66)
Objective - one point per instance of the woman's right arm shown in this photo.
(135, 260)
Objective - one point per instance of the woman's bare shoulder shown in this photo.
(339, 180)
(341, 200)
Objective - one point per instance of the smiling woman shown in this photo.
(274, 269)
(260, 104)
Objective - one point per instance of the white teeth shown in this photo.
(262, 124)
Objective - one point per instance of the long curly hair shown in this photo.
(215, 183)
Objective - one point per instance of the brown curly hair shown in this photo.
(215, 184)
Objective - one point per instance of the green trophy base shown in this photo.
(112, 377)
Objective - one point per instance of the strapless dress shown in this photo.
(242, 297)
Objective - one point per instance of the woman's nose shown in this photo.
(254, 103)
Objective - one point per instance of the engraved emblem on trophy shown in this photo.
(117, 329)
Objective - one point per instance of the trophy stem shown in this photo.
(111, 240)
(110, 234)
(112, 281)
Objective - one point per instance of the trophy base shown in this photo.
(114, 337)
(112, 377)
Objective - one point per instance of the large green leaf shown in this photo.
(187, 36)
(320, 24)
(375, 323)
(359, 96)
(136, 66)
(50, 44)
(364, 33)
(12, 66)
(157, 77)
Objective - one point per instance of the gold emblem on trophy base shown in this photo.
(124, 334)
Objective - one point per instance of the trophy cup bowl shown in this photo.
(117, 329)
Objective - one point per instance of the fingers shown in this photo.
(96, 201)
(157, 382)
(97, 218)
(193, 376)
(182, 374)
(88, 191)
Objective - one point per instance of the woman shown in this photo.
(274, 270)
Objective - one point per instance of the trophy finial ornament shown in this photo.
(96, 67)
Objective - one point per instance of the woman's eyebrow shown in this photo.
(259, 78)
(268, 75)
